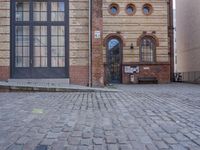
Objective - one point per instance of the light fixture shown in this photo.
(131, 47)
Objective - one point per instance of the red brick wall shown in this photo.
(160, 71)
(97, 51)
(4, 73)
(79, 75)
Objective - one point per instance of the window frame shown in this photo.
(31, 23)
(153, 41)
(150, 7)
(113, 5)
(134, 9)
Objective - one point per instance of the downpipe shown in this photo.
(90, 43)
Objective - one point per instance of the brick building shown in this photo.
(188, 45)
(89, 42)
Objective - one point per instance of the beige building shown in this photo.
(188, 39)
(86, 42)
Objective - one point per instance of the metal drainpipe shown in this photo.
(171, 32)
(89, 43)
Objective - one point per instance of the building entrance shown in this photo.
(114, 61)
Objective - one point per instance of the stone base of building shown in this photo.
(4, 73)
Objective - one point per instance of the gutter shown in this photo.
(90, 42)
(171, 35)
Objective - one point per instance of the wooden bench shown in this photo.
(147, 80)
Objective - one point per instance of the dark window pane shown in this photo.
(57, 16)
(40, 46)
(61, 51)
(61, 62)
(22, 10)
(26, 40)
(19, 51)
(18, 62)
(57, 11)
(146, 10)
(129, 10)
(54, 40)
(26, 51)
(43, 61)
(57, 30)
(54, 51)
(54, 61)
(40, 11)
(22, 49)
(40, 16)
(61, 41)
(57, 46)
(18, 40)
(147, 50)
(113, 43)
(61, 6)
(25, 61)
(113, 10)
(58, 6)
(37, 62)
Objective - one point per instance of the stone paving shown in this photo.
(141, 117)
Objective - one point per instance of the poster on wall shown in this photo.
(131, 69)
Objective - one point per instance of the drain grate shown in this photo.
(41, 147)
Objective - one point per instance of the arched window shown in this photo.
(147, 49)
(147, 9)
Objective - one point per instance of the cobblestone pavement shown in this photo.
(141, 117)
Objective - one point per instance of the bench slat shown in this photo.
(147, 80)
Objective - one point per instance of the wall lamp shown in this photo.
(131, 47)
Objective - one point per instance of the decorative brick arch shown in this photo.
(111, 36)
(150, 36)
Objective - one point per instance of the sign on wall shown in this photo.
(131, 69)
(97, 34)
(146, 68)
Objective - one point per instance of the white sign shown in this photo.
(97, 34)
(129, 69)
(146, 68)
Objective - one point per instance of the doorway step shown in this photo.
(40, 81)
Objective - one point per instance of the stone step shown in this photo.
(6, 86)
(40, 81)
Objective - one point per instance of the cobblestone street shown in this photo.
(140, 117)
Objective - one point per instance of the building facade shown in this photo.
(88, 42)
(188, 35)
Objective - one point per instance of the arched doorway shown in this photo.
(114, 59)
